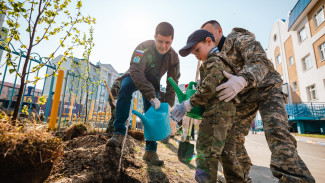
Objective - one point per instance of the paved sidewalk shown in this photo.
(311, 140)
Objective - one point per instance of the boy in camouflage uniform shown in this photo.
(217, 119)
(258, 86)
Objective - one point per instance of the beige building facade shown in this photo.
(297, 50)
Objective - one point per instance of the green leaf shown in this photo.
(12, 70)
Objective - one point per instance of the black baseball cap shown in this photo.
(195, 37)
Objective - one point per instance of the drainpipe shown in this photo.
(285, 68)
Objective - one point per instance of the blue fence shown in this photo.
(306, 111)
(304, 117)
(9, 82)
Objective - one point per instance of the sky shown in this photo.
(123, 24)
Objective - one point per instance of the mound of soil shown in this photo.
(87, 159)
(27, 152)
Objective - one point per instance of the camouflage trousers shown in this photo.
(215, 143)
(286, 165)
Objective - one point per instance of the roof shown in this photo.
(110, 67)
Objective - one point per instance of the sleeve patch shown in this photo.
(139, 52)
(136, 59)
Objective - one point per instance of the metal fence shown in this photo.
(9, 87)
(305, 111)
(72, 107)
(73, 102)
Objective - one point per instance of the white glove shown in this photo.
(180, 110)
(114, 102)
(232, 87)
(155, 103)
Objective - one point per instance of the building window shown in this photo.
(302, 34)
(294, 86)
(322, 51)
(319, 17)
(274, 37)
(311, 91)
(306, 63)
(278, 60)
(291, 62)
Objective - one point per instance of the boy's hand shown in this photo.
(234, 85)
(155, 103)
(180, 110)
(114, 103)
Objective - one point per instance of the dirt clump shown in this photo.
(136, 134)
(74, 131)
(87, 159)
(27, 152)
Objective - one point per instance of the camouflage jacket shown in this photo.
(247, 58)
(147, 67)
(211, 76)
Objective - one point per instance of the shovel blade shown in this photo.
(185, 152)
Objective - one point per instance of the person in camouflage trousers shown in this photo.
(258, 86)
(112, 102)
(217, 119)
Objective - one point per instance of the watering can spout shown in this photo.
(180, 95)
(141, 116)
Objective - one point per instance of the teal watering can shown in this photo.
(196, 112)
(156, 122)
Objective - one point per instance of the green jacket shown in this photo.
(147, 67)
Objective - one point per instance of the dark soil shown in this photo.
(87, 159)
(27, 153)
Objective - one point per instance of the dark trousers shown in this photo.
(123, 109)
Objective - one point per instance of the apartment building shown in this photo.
(297, 50)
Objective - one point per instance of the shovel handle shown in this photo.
(189, 131)
(109, 91)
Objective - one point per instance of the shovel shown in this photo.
(186, 149)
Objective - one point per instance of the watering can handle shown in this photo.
(190, 85)
(180, 95)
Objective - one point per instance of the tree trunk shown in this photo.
(21, 89)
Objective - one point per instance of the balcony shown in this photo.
(297, 11)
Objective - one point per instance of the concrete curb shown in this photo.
(311, 141)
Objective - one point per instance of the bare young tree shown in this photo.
(40, 21)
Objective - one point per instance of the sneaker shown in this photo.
(116, 140)
(153, 158)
